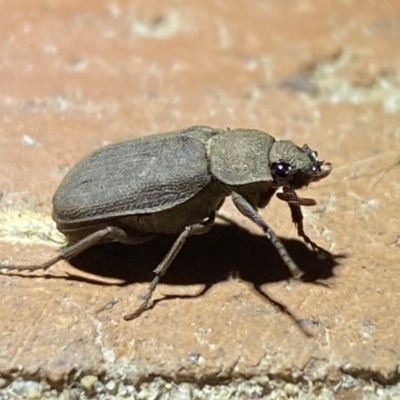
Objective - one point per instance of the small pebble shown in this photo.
(88, 382)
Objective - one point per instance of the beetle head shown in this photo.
(296, 167)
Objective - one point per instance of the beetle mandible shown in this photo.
(174, 183)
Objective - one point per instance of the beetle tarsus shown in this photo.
(30, 268)
(147, 303)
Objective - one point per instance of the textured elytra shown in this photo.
(139, 176)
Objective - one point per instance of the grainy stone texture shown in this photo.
(76, 75)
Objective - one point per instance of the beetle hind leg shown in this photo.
(109, 233)
(30, 268)
(196, 229)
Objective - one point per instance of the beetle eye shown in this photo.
(281, 172)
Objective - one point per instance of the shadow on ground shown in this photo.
(226, 251)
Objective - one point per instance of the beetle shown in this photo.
(173, 184)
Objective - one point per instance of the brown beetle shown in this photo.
(174, 183)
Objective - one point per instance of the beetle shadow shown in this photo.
(226, 251)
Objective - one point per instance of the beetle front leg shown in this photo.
(294, 202)
(250, 212)
(196, 229)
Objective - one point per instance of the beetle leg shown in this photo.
(290, 196)
(294, 203)
(196, 229)
(31, 268)
(66, 253)
(297, 218)
(250, 212)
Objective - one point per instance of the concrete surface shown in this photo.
(76, 75)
